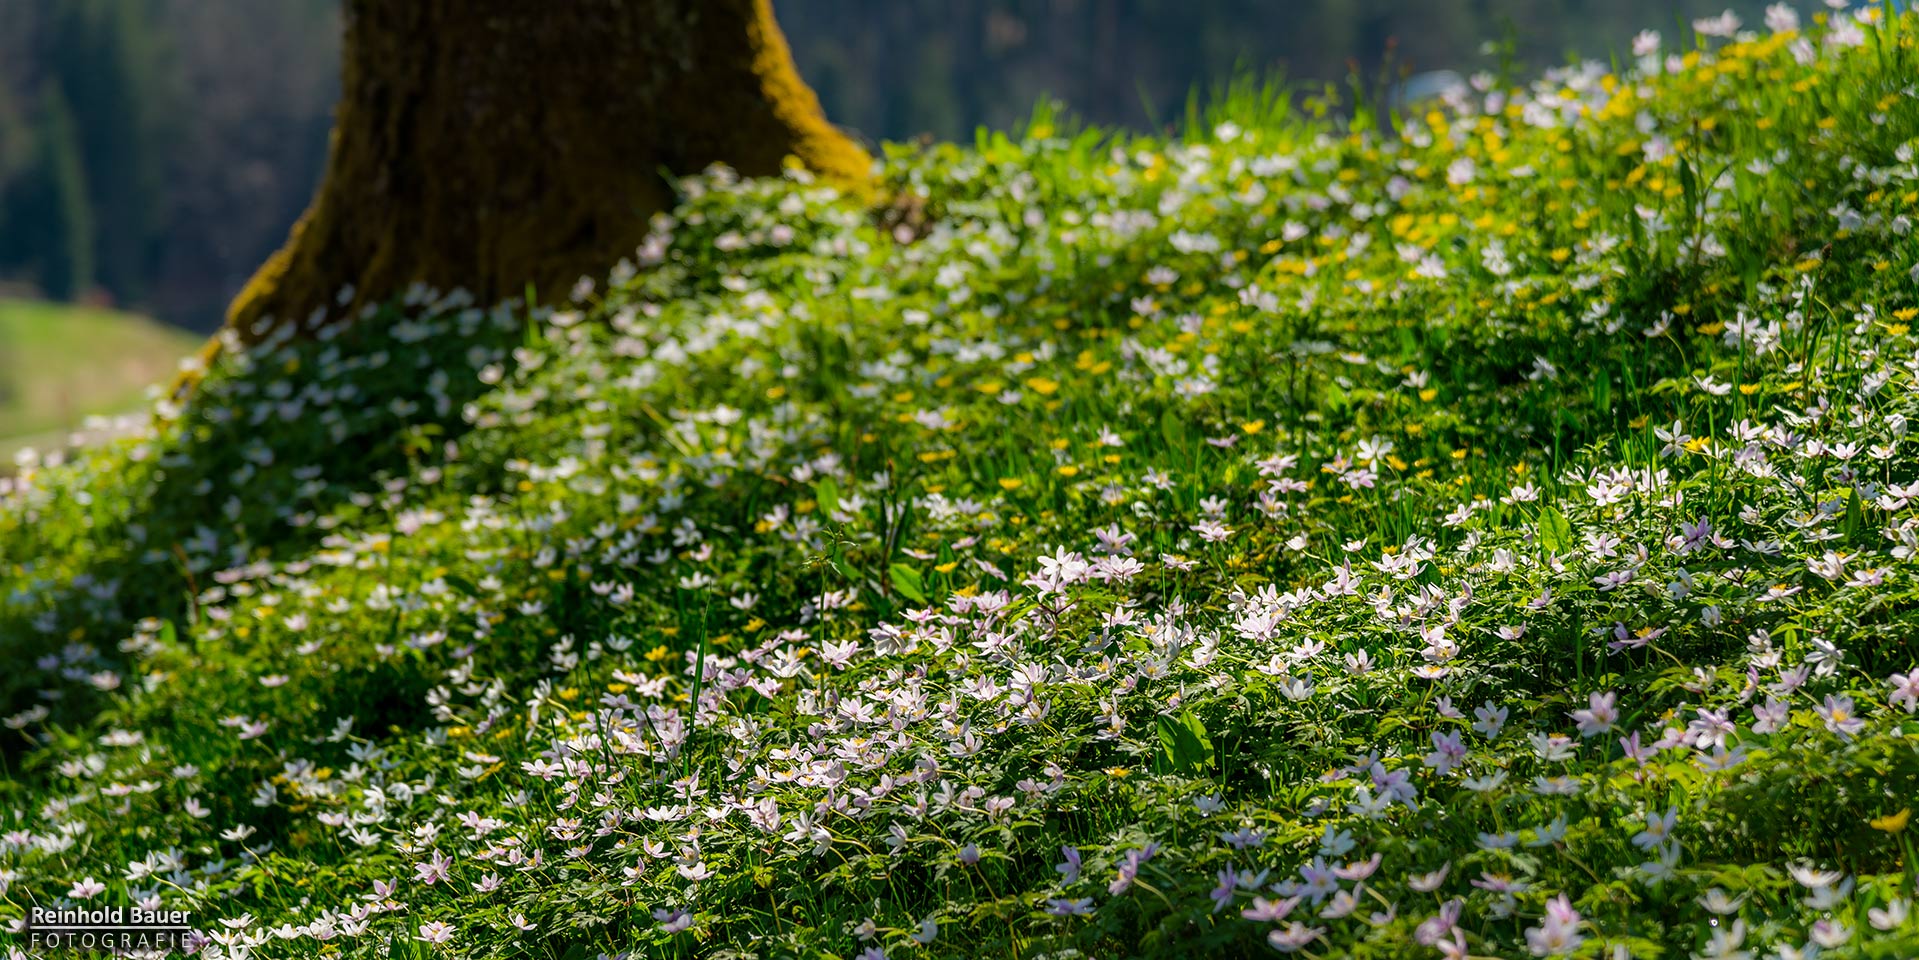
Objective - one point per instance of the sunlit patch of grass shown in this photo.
(1488, 535)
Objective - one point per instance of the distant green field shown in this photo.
(60, 364)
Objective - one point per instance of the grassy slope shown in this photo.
(60, 364)
(1495, 537)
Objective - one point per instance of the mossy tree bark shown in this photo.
(489, 144)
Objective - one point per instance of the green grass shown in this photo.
(60, 364)
(1491, 536)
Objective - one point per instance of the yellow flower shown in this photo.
(1010, 483)
(1043, 386)
(1253, 426)
(1894, 822)
(1068, 470)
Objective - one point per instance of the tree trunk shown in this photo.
(489, 144)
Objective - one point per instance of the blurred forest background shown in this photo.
(153, 152)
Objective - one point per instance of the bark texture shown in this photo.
(488, 144)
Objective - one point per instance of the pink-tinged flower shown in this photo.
(1428, 882)
(1781, 18)
(434, 869)
(1491, 720)
(1448, 752)
(1223, 894)
(1262, 910)
(928, 932)
(1500, 883)
(1317, 881)
(1829, 934)
(1296, 936)
(1840, 716)
(1599, 716)
(87, 889)
(1075, 907)
(1709, 728)
(1635, 751)
(1724, 25)
(1658, 829)
(433, 931)
(1905, 690)
(1343, 904)
(1890, 917)
(1129, 868)
(1558, 933)
(1436, 927)
(1358, 869)
(1212, 531)
(1771, 716)
(1069, 868)
(672, 921)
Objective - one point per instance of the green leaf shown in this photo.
(1855, 515)
(836, 559)
(1689, 185)
(461, 584)
(1173, 428)
(826, 490)
(1183, 745)
(907, 582)
(1555, 532)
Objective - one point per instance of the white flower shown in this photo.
(928, 932)
(1724, 25)
(1890, 917)
(1558, 932)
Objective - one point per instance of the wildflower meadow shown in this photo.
(1478, 527)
